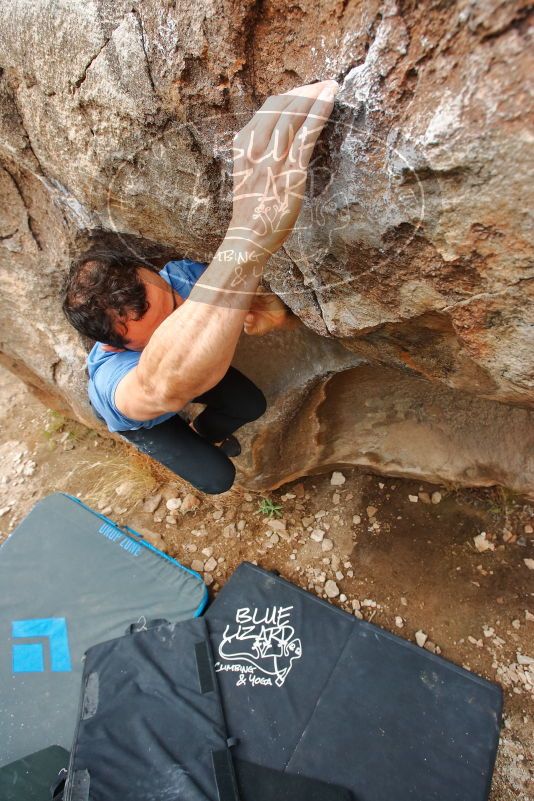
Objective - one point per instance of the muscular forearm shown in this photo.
(193, 348)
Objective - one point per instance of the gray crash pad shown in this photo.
(71, 578)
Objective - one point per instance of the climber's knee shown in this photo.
(254, 404)
(220, 479)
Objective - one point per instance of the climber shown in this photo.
(165, 338)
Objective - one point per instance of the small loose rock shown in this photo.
(189, 503)
(331, 589)
(338, 479)
(151, 503)
(327, 544)
(482, 544)
(173, 504)
(421, 638)
(211, 564)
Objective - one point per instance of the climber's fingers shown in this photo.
(310, 129)
(251, 142)
(269, 189)
(273, 127)
(293, 117)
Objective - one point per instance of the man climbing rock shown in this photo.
(166, 338)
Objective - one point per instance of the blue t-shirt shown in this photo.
(107, 368)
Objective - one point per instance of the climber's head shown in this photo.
(116, 302)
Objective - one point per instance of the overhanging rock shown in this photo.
(327, 414)
(411, 264)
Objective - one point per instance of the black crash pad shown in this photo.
(311, 690)
(151, 725)
(32, 777)
(158, 685)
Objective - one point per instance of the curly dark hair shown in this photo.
(100, 293)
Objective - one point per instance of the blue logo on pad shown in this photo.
(30, 657)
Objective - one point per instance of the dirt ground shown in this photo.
(397, 552)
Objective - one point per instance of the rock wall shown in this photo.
(410, 266)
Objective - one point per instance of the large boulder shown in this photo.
(410, 266)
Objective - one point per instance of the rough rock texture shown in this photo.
(378, 418)
(413, 249)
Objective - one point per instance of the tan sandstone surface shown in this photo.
(411, 264)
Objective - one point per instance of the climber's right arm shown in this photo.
(191, 350)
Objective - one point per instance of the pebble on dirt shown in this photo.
(151, 503)
(482, 544)
(190, 502)
(173, 504)
(211, 564)
(327, 544)
(337, 479)
(421, 638)
(331, 589)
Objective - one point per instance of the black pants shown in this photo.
(231, 403)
